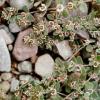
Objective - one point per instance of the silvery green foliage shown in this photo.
(64, 25)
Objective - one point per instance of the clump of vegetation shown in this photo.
(77, 78)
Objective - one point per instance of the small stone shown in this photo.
(14, 28)
(2, 2)
(5, 86)
(83, 8)
(83, 34)
(22, 51)
(64, 49)
(6, 76)
(4, 32)
(25, 78)
(15, 72)
(33, 59)
(44, 65)
(25, 67)
(81, 11)
(0, 79)
(98, 43)
(19, 4)
(10, 47)
(5, 60)
(14, 84)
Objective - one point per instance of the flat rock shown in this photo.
(5, 86)
(5, 60)
(64, 49)
(4, 32)
(25, 78)
(6, 76)
(83, 34)
(81, 11)
(14, 84)
(19, 4)
(21, 51)
(44, 65)
(2, 2)
(25, 67)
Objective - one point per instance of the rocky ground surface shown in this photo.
(20, 63)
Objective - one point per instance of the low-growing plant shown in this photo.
(77, 78)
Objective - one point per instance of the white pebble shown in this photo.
(25, 67)
(5, 86)
(44, 65)
(14, 84)
(19, 4)
(25, 78)
(6, 76)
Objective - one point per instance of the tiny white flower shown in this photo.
(60, 8)
(70, 5)
(43, 7)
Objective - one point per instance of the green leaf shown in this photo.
(56, 97)
(30, 18)
(57, 86)
(83, 73)
(60, 1)
(98, 57)
(71, 68)
(97, 1)
(98, 51)
(92, 15)
(59, 62)
(41, 97)
(78, 60)
(97, 70)
(50, 17)
(64, 13)
(64, 29)
(25, 8)
(47, 2)
(86, 95)
(89, 48)
(94, 96)
(15, 97)
(67, 89)
(89, 85)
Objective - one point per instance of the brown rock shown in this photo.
(22, 51)
(2, 2)
(33, 59)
